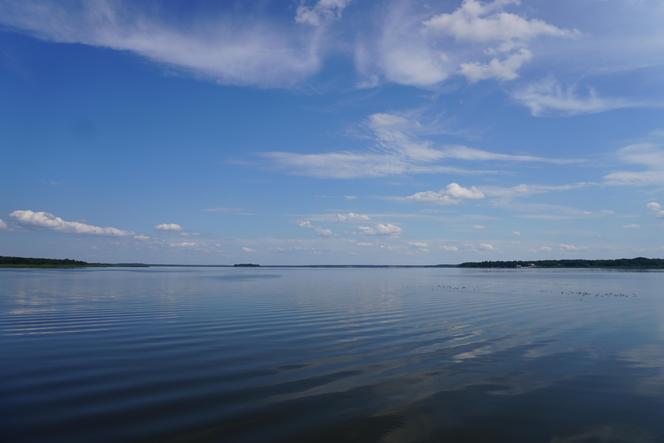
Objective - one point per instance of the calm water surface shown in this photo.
(390, 355)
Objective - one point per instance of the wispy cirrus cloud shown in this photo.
(238, 50)
(46, 220)
(321, 11)
(454, 193)
(320, 231)
(648, 156)
(568, 247)
(380, 229)
(397, 149)
(549, 97)
(352, 217)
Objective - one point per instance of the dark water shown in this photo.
(390, 355)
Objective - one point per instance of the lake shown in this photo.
(296, 354)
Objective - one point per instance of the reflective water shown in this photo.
(391, 355)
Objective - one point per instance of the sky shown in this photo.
(331, 131)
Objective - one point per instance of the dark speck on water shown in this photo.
(331, 355)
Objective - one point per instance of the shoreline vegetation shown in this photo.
(29, 262)
(622, 263)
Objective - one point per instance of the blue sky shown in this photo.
(331, 131)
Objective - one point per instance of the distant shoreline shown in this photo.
(623, 263)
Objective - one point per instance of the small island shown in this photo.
(246, 265)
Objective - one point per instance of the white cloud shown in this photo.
(423, 49)
(487, 247)
(547, 96)
(517, 233)
(141, 237)
(506, 69)
(477, 21)
(654, 206)
(47, 220)
(380, 229)
(631, 226)
(248, 250)
(420, 246)
(479, 227)
(449, 248)
(352, 217)
(364, 244)
(305, 224)
(647, 155)
(322, 232)
(168, 227)
(231, 49)
(656, 209)
(397, 150)
(457, 191)
(460, 152)
(400, 52)
(452, 195)
(320, 12)
(3, 225)
(417, 48)
(571, 247)
(184, 245)
(510, 192)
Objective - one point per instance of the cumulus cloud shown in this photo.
(46, 220)
(320, 12)
(3, 225)
(505, 69)
(656, 208)
(477, 21)
(168, 227)
(228, 49)
(380, 229)
(453, 194)
(649, 156)
(248, 250)
(486, 247)
(548, 96)
(141, 237)
(423, 49)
